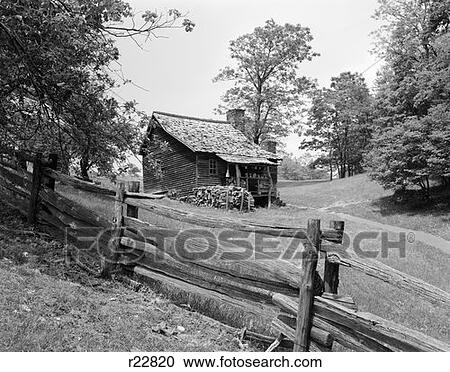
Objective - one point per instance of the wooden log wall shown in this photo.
(175, 162)
(203, 177)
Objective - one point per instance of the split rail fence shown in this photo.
(303, 317)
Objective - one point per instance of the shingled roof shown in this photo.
(213, 136)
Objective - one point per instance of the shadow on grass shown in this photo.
(438, 205)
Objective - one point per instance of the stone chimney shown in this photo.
(270, 145)
(236, 117)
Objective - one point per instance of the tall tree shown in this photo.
(266, 80)
(339, 124)
(413, 94)
(55, 57)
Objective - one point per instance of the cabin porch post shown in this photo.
(238, 175)
(269, 200)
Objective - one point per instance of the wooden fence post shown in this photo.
(132, 211)
(20, 161)
(110, 255)
(35, 187)
(331, 270)
(306, 291)
(269, 200)
(52, 164)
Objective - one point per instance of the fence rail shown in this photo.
(261, 288)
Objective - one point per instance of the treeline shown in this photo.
(293, 168)
(401, 133)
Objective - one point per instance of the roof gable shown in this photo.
(213, 136)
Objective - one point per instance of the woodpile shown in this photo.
(223, 197)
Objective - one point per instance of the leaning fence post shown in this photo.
(110, 254)
(331, 270)
(35, 187)
(132, 211)
(306, 291)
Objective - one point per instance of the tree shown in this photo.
(101, 132)
(339, 124)
(413, 95)
(266, 80)
(411, 152)
(293, 168)
(55, 59)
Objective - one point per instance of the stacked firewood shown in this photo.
(223, 197)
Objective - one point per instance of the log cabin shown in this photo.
(181, 152)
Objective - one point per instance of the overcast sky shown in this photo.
(176, 71)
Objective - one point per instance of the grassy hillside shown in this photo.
(47, 306)
(337, 192)
(361, 197)
(430, 216)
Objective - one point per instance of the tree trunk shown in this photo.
(445, 181)
(84, 169)
(331, 170)
(350, 170)
(342, 173)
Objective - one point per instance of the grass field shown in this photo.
(47, 306)
(422, 261)
(361, 197)
(335, 193)
(429, 216)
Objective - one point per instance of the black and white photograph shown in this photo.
(203, 184)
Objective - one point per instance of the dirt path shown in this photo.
(427, 238)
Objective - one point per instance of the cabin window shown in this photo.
(212, 166)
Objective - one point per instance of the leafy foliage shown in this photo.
(266, 80)
(55, 60)
(339, 124)
(413, 99)
(293, 168)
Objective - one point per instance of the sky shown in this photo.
(173, 73)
